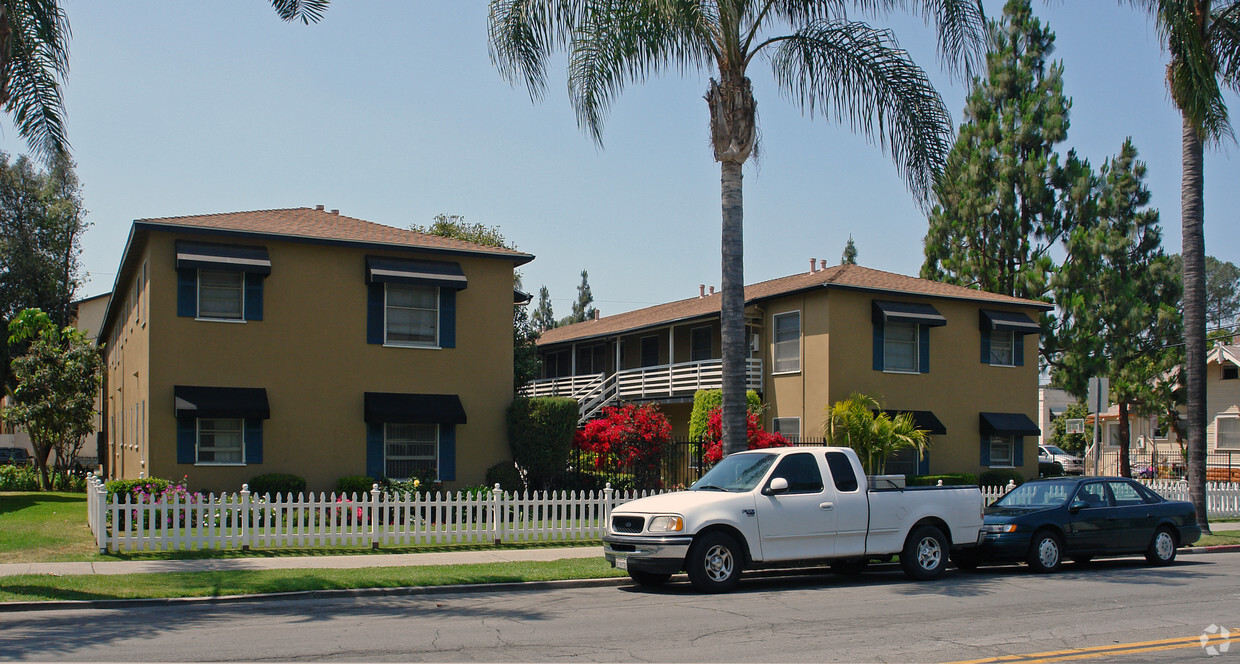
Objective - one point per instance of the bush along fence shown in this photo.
(178, 520)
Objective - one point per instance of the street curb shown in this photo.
(60, 605)
(1221, 548)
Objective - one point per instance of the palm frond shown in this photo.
(524, 33)
(960, 24)
(850, 71)
(32, 63)
(306, 11)
(1224, 42)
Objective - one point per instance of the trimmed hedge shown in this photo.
(273, 484)
(152, 485)
(506, 475)
(359, 484)
(1000, 477)
(540, 433)
(952, 479)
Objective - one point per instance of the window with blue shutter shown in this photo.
(220, 282)
(412, 302)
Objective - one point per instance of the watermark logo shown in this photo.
(1215, 640)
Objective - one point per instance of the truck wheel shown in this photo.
(1045, 552)
(715, 563)
(925, 553)
(1162, 548)
(648, 579)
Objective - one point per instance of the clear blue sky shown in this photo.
(392, 112)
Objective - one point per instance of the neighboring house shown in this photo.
(1052, 403)
(304, 341)
(1223, 400)
(955, 357)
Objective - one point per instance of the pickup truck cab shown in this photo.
(782, 506)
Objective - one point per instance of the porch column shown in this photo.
(671, 345)
(617, 365)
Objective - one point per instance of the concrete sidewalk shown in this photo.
(302, 562)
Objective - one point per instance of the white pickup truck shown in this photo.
(782, 506)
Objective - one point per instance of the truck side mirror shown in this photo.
(778, 485)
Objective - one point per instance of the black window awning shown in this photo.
(521, 297)
(247, 402)
(908, 312)
(1008, 321)
(236, 258)
(394, 408)
(427, 273)
(1007, 424)
(923, 419)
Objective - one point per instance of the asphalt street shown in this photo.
(1117, 610)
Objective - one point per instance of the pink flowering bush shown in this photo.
(758, 439)
(629, 438)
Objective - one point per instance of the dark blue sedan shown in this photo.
(1042, 522)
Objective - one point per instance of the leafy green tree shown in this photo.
(860, 423)
(455, 227)
(1203, 37)
(1005, 201)
(1121, 324)
(849, 257)
(58, 378)
(583, 308)
(706, 402)
(544, 318)
(843, 69)
(41, 226)
(1222, 291)
(1071, 442)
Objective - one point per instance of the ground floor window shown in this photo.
(1001, 451)
(410, 450)
(221, 440)
(788, 427)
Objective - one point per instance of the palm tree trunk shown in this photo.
(1193, 252)
(732, 311)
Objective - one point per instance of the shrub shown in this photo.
(150, 486)
(273, 484)
(19, 478)
(629, 438)
(1000, 477)
(506, 475)
(706, 402)
(950, 479)
(351, 484)
(425, 483)
(756, 437)
(540, 433)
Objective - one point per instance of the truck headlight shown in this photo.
(999, 528)
(666, 524)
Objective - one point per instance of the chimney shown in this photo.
(813, 265)
(335, 211)
(822, 262)
(319, 208)
(597, 313)
(712, 290)
(701, 291)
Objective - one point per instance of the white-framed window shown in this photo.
(411, 315)
(787, 341)
(410, 450)
(1227, 433)
(900, 347)
(1002, 348)
(788, 427)
(1001, 451)
(1111, 429)
(221, 294)
(699, 343)
(221, 440)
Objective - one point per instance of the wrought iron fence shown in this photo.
(1145, 464)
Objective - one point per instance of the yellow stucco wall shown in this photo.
(310, 354)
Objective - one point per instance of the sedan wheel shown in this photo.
(1045, 553)
(1162, 548)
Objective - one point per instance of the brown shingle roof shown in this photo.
(315, 224)
(848, 277)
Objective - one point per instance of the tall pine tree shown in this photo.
(583, 308)
(543, 318)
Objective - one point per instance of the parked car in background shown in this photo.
(1072, 465)
(1042, 522)
(14, 456)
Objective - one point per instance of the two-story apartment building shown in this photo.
(304, 341)
(963, 361)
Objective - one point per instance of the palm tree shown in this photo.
(1203, 37)
(860, 423)
(831, 65)
(34, 59)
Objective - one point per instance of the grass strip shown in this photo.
(32, 587)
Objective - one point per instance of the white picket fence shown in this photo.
(1222, 498)
(245, 521)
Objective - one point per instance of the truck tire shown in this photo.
(925, 553)
(1045, 552)
(715, 563)
(648, 579)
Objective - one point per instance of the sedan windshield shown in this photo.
(1039, 495)
(737, 472)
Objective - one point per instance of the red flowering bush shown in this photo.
(629, 438)
(758, 439)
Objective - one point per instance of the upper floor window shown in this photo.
(218, 282)
(1231, 372)
(1003, 336)
(411, 315)
(699, 343)
(902, 335)
(591, 359)
(787, 341)
(220, 294)
(1002, 348)
(650, 350)
(900, 347)
(1227, 433)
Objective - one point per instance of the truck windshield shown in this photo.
(736, 472)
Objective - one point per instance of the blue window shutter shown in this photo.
(878, 345)
(1018, 450)
(374, 315)
(187, 439)
(253, 296)
(985, 346)
(923, 348)
(923, 466)
(447, 318)
(1018, 350)
(985, 451)
(187, 292)
(447, 452)
(374, 449)
(253, 440)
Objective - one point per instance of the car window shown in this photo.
(1125, 494)
(842, 471)
(801, 471)
(1093, 494)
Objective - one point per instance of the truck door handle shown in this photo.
(826, 506)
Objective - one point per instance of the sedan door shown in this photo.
(798, 523)
(1092, 524)
(1136, 518)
